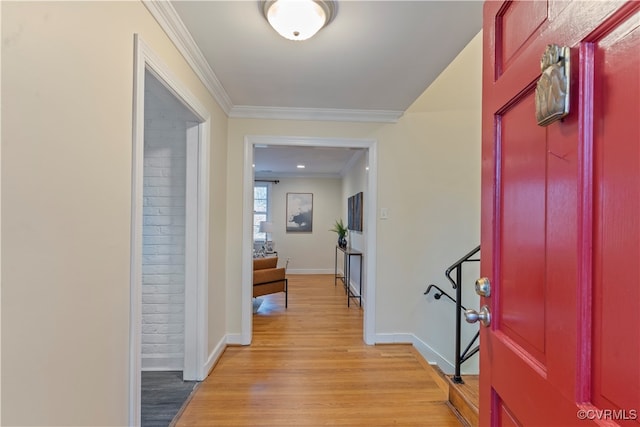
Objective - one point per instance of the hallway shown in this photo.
(308, 366)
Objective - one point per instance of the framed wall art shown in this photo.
(299, 212)
(354, 212)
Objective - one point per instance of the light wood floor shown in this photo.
(308, 366)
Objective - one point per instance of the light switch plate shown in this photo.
(384, 213)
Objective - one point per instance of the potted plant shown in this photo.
(342, 231)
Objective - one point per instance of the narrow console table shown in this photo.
(348, 253)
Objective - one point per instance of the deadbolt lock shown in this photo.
(483, 287)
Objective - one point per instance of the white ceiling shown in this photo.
(319, 162)
(375, 55)
(370, 63)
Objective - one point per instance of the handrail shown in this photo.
(440, 293)
(460, 357)
(459, 263)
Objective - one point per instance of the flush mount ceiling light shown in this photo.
(298, 19)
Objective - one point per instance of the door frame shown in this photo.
(371, 207)
(196, 218)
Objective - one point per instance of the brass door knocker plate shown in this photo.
(552, 89)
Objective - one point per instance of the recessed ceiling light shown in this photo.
(300, 166)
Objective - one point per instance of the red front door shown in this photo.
(561, 218)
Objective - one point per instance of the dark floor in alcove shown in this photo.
(163, 394)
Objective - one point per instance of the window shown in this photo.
(261, 208)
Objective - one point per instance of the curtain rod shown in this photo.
(275, 181)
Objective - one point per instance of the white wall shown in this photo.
(163, 235)
(432, 191)
(67, 96)
(308, 253)
(355, 181)
(428, 179)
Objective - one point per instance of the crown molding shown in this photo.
(170, 22)
(322, 114)
(298, 175)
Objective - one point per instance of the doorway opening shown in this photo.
(370, 209)
(169, 148)
(169, 238)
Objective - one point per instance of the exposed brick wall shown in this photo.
(163, 242)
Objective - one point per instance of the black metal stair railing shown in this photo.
(460, 357)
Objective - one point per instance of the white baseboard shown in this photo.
(162, 362)
(432, 356)
(355, 288)
(425, 350)
(235, 339)
(399, 338)
(311, 271)
(214, 356)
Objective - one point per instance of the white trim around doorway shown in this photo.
(369, 333)
(197, 240)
